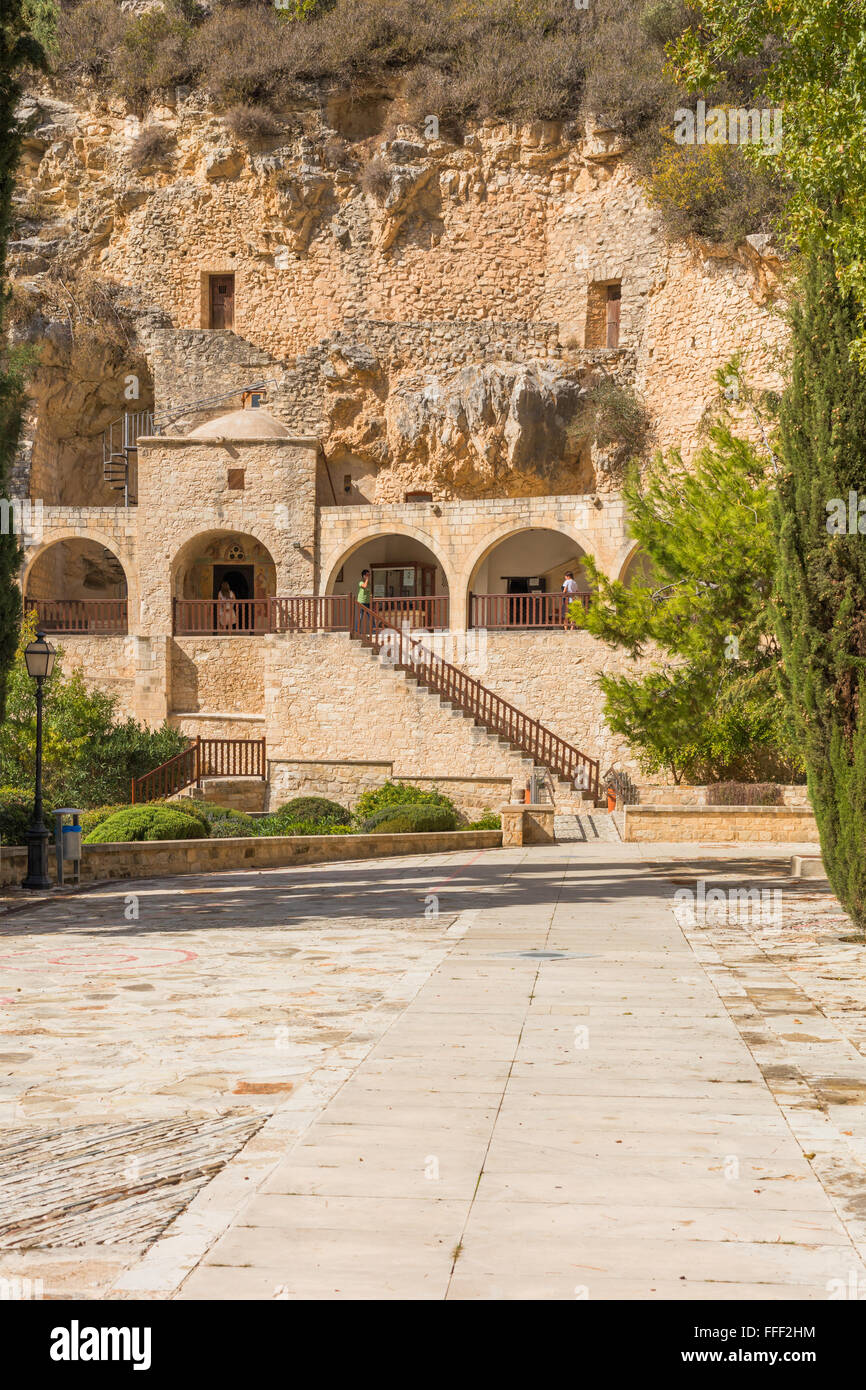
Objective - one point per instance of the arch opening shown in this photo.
(408, 581)
(222, 582)
(78, 585)
(518, 582)
(638, 569)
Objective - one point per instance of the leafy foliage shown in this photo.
(709, 706)
(313, 808)
(397, 794)
(821, 576)
(16, 814)
(89, 759)
(811, 58)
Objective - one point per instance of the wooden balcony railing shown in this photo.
(427, 612)
(95, 616)
(312, 613)
(522, 610)
(221, 617)
(300, 613)
(497, 715)
(206, 757)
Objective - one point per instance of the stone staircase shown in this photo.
(538, 749)
(589, 826)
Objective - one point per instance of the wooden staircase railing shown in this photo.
(205, 757)
(408, 653)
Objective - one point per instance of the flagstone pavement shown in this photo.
(498, 1075)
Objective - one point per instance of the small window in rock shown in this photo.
(417, 497)
(235, 477)
(222, 301)
(347, 482)
(614, 299)
(602, 314)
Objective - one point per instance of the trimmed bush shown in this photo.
(399, 794)
(397, 820)
(313, 808)
(146, 823)
(489, 821)
(745, 794)
(233, 825)
(91, 819)
(187, 807)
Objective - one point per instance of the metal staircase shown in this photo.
(119, 443)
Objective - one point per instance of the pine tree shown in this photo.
(20, 22)
(821, 575)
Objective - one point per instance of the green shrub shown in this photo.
(399, 794)
(313, 809)
(16, 813)
(236, 823)
(146, 823)
(91, 819)
(489, 821)
(276, 825)
(187, 807)
(397, 819)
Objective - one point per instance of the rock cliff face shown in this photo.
(429, 308)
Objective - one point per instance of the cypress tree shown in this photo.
(20, 49)
(821, 574)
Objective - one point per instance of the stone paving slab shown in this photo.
(704, 1193)
(659, 1112)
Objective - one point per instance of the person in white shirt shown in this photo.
(569, 589)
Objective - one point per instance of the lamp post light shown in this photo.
(39, 659)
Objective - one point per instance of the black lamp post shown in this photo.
(39, 658)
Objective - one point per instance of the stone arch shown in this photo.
(630, 556)
(503, 533)
(203, 562)
(343, 552)
(543, 552)
(74, 575)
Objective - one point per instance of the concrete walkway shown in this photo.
(565, 1109)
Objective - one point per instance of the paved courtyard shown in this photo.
(505, 1074)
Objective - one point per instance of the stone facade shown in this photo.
(427, 361)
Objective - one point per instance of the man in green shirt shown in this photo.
(364, 589)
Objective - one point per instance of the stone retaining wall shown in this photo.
(660, 795)
(155, 859)
(720, 824)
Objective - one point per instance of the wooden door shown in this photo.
(222, 301)
(614, 300)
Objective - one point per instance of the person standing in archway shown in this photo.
(226, 611)
(569, 591)
(364, 594)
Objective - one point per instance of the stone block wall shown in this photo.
(217, 675)
(344, 782)
(327, 698)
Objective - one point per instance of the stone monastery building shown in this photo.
(327, 379)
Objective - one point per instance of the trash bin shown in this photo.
(71, 841)
(67, 843)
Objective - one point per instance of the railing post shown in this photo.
(197, 760)
(264, 761)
